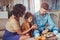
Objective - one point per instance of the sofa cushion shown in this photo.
(1, 33)
(0, 38)
(2, 24)
(2, 28)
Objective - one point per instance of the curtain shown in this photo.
(53, 4)
(5, 2)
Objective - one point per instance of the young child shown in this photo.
(27, 25)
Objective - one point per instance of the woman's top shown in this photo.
(12, 25)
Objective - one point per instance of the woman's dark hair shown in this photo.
(27, 15)
(18, 10)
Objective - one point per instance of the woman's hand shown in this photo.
(34, 27)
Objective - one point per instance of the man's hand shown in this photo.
(45, 31)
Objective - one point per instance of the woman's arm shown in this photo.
(16, 27)
(33, 27)
(27, 31)
(26, 26)
(22, 33)
(19, 31)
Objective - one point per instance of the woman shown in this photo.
(13, 30)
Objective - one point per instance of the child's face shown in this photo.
(30, 19)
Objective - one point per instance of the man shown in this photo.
(41, 18)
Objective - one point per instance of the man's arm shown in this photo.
(36, 32)
(52, 25)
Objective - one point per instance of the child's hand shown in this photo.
(27, 34)
(34, 27)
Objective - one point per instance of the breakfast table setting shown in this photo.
(48, 36)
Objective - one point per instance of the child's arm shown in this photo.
(33, 27)
(17, 28)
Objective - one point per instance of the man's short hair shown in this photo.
(45, 6)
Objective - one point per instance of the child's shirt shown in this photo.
(25, 27)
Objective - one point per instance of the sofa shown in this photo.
(3, 23)
(2, 27)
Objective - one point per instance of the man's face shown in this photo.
(43, 11)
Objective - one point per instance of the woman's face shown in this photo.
(30, 19)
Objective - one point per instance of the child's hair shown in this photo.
(27, 15)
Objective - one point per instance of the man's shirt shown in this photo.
(41, 21)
